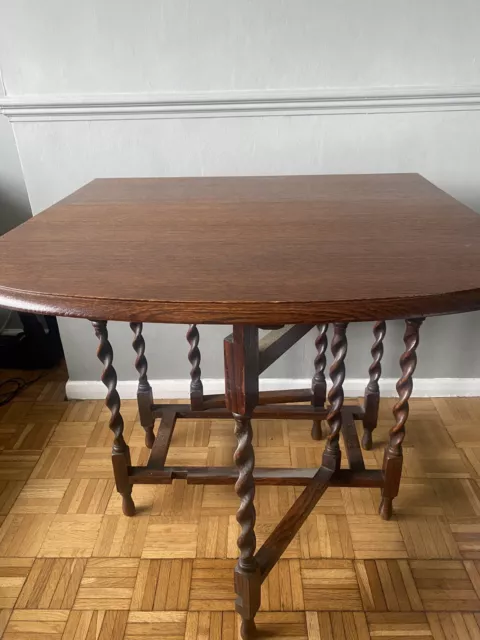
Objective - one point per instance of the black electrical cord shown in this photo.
(19, 384)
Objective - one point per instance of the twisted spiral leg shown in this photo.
(372, 390)
(332, 456)
(319, 384)
(247, 574)
(120, 450)
(393, 460)
(144, 391)
(194, 357)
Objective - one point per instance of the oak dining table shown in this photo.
(281, 254)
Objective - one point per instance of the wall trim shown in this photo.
(179, 388)
(238, 103)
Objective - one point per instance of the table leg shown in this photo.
(332, 453)
(120, 451)
(241, 387)
(372, 390)
(144, 390)
(319, 384)
(393, 459)
(194, 357)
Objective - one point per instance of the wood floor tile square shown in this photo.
(272, 502)
(52, 584)
(156, 625)
(32, 436)
(359, 501)
(271, 434)
(428, 433)
(272, 457)
(88, 496)
(170, 538)
(387, 585)
(444, 585)
(417, 497)
(4, 618)
(337, 625)
(107, 584)
(454, 626)
(40, 496)
(444, 463)
(219, 500)
(375, 538)
(213, 537)
(9, 492)
(467, 537)
(459, 498)
(283, 588)
(206, 625)
(326, 536)
(71, 536)
(72, 434)
(17, 465)
(83, 411)
(399, 625)
(428, 537)
(187, 456)
(212, 585)
(57, 463)
(36, 625)
(197, 433)
(472, 455)
(162, 585)
(330, 585)
(13, 573)
(121, 537)
(178, 499)
(463, 432)
(96, 625)
(23, 535)
(281, 625)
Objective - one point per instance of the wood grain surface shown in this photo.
(266, 250)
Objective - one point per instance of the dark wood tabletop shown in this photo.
(257, 250)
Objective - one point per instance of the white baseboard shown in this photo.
(179, 388)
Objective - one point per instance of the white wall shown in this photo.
(164, 87)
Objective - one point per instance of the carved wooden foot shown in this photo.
(386, 510)
(319, 384)
(128, 506)
(120, 450)
(372, 390)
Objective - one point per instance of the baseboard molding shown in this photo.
(179, 388)
(239, 103)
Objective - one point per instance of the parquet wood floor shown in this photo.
(73, 568)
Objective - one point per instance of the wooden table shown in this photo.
(284, 253)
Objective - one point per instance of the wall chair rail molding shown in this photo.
(51, 107)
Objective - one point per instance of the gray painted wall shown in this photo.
(54, 52)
